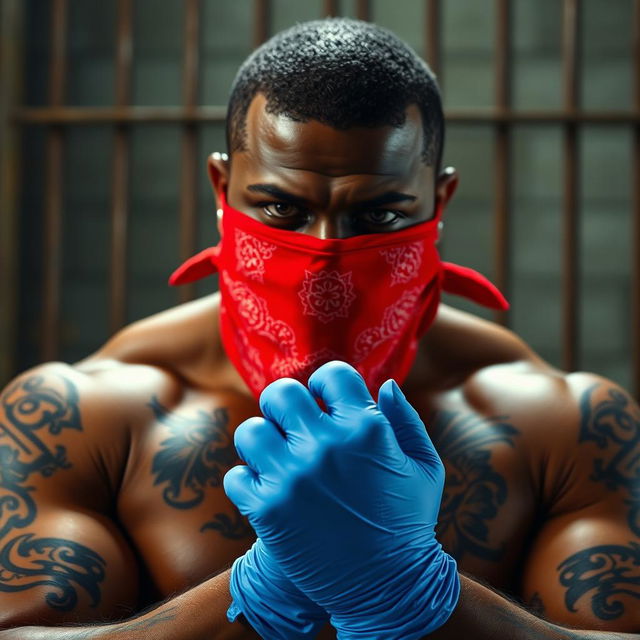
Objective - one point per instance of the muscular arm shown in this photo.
(583, 571)
(485, 615)
(198, 614)
(63, 560)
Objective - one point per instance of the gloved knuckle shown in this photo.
(232, 480)
(246, 434)
(280, 388)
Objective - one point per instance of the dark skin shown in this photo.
(113, 466)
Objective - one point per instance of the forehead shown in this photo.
(279, 141)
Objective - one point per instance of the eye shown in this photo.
(381, 217)
(282, 210)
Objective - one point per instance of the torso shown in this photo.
(169, 464)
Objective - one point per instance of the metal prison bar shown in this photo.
(57, 117)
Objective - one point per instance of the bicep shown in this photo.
(61, 559)
(584, 566)
(66, 566)
(584, 571)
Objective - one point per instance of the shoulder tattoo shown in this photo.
(613, 423)
(193, 458)
(474, 491)
(33, 407)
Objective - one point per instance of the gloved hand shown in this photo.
(270, 602)
(346, 501)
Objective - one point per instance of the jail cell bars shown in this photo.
(57, 118)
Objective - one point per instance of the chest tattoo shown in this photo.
(27, 561)
(614, 425)
(192, 459)
(474, 490)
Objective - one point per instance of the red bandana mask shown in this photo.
(291, 302)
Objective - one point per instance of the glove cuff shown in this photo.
(407, 608)
(271, 604)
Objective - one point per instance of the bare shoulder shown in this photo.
(93, 407)
(493, 372)
(182, 341)
(579, 433)
(464, 351)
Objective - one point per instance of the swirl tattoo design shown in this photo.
(473, 491)
(614, 425)
(33, 406)
(235, 528)
(607, 572)
(193, 458)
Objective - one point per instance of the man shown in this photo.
(112, 468)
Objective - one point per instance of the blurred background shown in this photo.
(110, 107)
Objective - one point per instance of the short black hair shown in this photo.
(343, 73)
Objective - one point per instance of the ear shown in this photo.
(446, 186)
(218, 170)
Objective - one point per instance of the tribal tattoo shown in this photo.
(33, 407)
(607, 574)
(193, 458)
(614, 425)
(474, 491)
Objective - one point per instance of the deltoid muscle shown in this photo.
(33, 407)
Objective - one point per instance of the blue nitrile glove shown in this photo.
(346, 501)
(271, 603)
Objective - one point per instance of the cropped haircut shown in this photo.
(343, 73)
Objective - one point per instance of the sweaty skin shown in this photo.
(111, 469)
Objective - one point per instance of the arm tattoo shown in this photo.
(194, 457)
(614, 425)
(235, 529)
(606, 573)
(474, 490)
(27, 561)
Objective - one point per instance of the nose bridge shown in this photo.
(326, 225)
(330, 220)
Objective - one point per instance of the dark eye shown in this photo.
(282, 210)
(381, 217)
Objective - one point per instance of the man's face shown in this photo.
(312, 178)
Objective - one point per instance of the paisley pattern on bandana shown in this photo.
(327, 295)
(255, 312)
(395, 318)
(302, 367)
(251, 362)
(251, 254)
(254, 309)
(405, 261)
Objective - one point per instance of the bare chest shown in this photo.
(183, 527)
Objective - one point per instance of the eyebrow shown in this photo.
(386, 198)
(276, 192)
